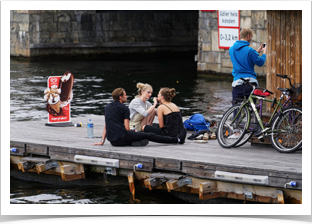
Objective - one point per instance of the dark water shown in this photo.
(94, 82)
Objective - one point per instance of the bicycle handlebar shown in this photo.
(284, 77)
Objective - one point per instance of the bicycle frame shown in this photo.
(254, 107)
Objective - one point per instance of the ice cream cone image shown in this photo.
(52, 95)
(56, 107)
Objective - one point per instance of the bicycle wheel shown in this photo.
(230, 133)
(287, 130)
(249, 132)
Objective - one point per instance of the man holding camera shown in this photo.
(244, 59)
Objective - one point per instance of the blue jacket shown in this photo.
(244, 59)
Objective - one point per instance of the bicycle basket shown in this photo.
(296, 92)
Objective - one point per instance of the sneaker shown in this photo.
(199, 137)
(212, 135)
(193, 136)
(142, 142)
(206, 136)
(182, 136)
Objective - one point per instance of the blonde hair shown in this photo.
(246, 31)
(167, 93)
(143, 87)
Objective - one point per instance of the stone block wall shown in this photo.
(74, 32)
(212, 59)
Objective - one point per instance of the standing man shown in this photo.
(117, 130)
(244, 59)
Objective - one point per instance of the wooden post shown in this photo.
(72, 172)
(280, 197)
(175, 184)
(208, 190)
(269, 56)
(132, 186)
(277, 29)
(42, 167)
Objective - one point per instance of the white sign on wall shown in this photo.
(228, 18)
(228, 27)
(227, 37)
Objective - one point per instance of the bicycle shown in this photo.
(293, 98)
(235, 122)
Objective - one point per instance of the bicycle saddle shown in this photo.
(283, 90)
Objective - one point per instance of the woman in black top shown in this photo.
(169, 115)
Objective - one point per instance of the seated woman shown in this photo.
(142, 112)
(169, 115)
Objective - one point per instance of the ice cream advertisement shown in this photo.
(58, 95)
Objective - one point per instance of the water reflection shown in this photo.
(95, 80)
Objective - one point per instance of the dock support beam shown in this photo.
(72, 172)
(208, 190)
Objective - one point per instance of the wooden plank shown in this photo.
(283, 49)
(43, 167)
(59, 156)
(280, 182)
(206, 189)
(199, 172)
(256, 142)
(292, 43)
(152, 183)
(298, 53)
(72, 172)
(25, 166)
(168, 164)
(175, 184)
(20, 148)
(35, 159)
(166, 176)
(126, 164)
(272, 79)
(199, 166)
(37, 149)
(100, 153)
(287, 56)
(269, 56)
(278, 52)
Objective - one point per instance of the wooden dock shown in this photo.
(248, 173)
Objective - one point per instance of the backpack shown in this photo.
(196, 123)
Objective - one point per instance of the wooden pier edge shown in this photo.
(160, 173)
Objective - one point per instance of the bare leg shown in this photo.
(148, 120)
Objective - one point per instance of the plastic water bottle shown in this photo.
(90, 128)
(13, 150)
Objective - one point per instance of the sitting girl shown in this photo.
(169, 115)
(142, 112)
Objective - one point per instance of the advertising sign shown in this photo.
(58, 96)
(228, 27)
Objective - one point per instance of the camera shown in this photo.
(263, 45)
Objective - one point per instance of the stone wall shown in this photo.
(72, 32)
(212, 59)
